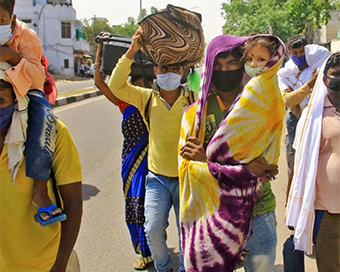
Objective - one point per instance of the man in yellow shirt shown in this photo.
(162, 110)
(25, 245)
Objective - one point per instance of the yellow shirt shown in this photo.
(25, 246)
(165, 124)
(294, 98)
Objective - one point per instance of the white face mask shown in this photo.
(5, 34)
(169, 81)
(252, 71)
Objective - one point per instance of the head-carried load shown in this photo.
(173, 35)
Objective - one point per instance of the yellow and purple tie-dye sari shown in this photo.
(217, 198)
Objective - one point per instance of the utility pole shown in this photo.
(140, 10)
(140, 7)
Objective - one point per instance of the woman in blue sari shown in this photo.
(134, 165)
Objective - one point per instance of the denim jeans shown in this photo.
(291, 123)
(41, 136)
(161, 194)
(293, 260)
(261, 244)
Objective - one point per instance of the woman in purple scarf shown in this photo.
(222, 195)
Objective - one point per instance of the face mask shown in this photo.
(5, 34)
(299, 61)
(169, 81)
(252, 71)
(334, 84)
(227, 81)
(6, 116)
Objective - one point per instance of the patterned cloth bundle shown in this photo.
(173, 35)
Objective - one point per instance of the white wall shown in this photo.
(54, 47)
(46, 21)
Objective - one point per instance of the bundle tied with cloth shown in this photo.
(16, 135)
(173, 35)
(217, 197)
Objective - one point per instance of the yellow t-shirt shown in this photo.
(25, 246)
(165, 124)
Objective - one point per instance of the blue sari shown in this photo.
(134, 170)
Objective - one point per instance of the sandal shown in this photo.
(142, 263)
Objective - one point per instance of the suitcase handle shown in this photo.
(112, 38)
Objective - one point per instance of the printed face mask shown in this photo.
(5, 34)
(227, 81)
(6, 116)
(252, 71)
(169, 81)
(299, 61)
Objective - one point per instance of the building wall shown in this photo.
(56, 48)
(331, 31)
(46, 20)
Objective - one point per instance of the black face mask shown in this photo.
(227, 81)
(334, 84)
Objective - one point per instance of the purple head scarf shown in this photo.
(225, 43)
(222, 43)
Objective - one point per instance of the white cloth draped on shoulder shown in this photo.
(300, 207)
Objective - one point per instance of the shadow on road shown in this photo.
(278, 268)
(89, 191)
(174, 261)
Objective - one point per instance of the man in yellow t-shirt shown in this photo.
(162, 109)
(24, 244)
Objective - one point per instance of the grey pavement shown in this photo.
(75, 98)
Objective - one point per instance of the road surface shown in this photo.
(103, 244)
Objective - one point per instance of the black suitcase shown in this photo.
(114, 46)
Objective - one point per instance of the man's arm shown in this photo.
(119, 84)
(71, 195)
(99, 81)
(67, 171)
(194, 150)
(292, 97)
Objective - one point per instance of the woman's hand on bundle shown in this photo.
(260, 165)
(193, 150)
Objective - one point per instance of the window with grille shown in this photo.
(65, 30)
(66, 64)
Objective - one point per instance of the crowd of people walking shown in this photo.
(211, 155)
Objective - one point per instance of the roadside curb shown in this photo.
(75, 98)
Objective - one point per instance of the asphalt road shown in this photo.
(64, 86)
(103, 244)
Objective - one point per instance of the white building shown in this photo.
(60, 32)
(330, 34)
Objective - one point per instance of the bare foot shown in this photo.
(40, 198)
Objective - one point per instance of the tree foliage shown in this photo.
(92, 27)
(283, 18)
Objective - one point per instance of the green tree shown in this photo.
(92, 27)
(129, 28)
(283, 18)
(309, 15)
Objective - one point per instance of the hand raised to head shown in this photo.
(136, 44)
